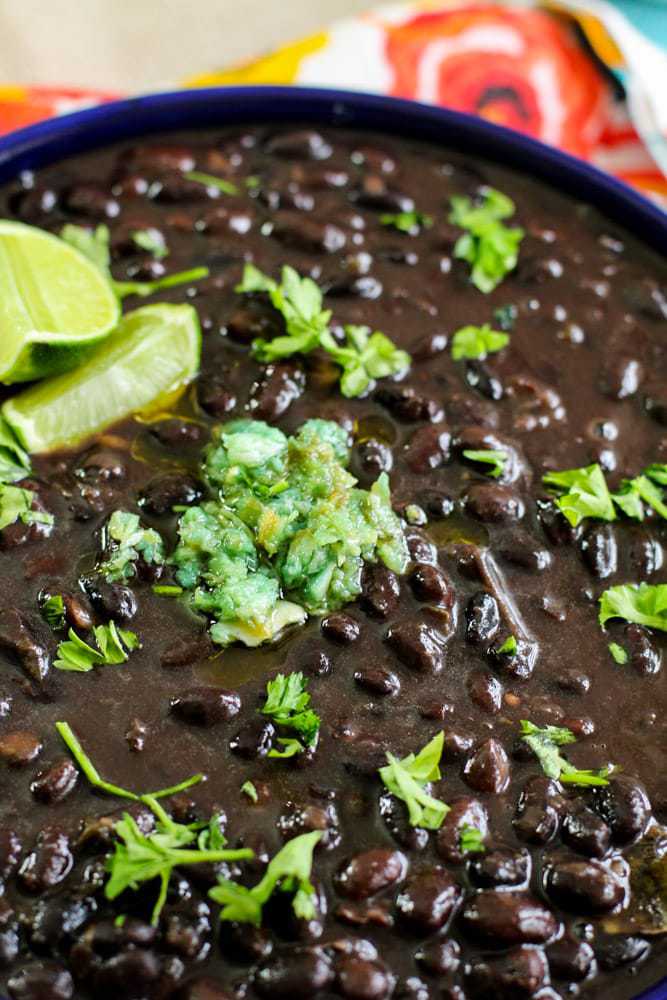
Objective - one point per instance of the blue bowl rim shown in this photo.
(94, 128)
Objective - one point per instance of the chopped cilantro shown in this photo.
(14, 461)
(471, 840)
(152, 241)
(94, 244)
(475, 342)
(633, 491)
(488, 245)
(407, 222)
(138, 857)
(289, 534)
(126, 541)
(16, 505)
(658, 472)
(287, 705)
(509, 646)
(249, 789)
(545, 743)
(167, 589)
(496, 459)
(639, 603)
(407, 780)
(53, 610)
(618, 653)
(211, 181)
(586, 494)
(365, 357)
(113, 646)
(289, 870)
(505, 317)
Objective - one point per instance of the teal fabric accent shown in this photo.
(649, 16)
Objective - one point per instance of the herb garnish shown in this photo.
(14, 461)
(365, 355)
(489, 246)
(473, 343)
(126, 541)
(407, 778)
(496, 459)
(509, 646)
(94, 244)
(287, 705)
(139, 857)
(113, 646)
(633, 491)
(471, 840)
(151, 241)
(407, 222)
(16, 505)
(586, 493)
(53, 611)
(618, 653)
(249, 789)
(289, 870)
(545, 743)
(211, 181)
(639, 603)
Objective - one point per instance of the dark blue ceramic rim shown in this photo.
(70, 135)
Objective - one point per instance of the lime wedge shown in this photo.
(55, 305)
(153, 352)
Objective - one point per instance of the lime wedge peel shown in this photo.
(55, 305)
(153, 352)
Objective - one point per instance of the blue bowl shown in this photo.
(59, 138)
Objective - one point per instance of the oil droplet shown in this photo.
(457, 529)
(375, 428)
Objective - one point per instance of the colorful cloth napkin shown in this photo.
(588, 76)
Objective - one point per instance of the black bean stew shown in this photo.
(551, 905)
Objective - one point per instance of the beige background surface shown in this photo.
(135, 44)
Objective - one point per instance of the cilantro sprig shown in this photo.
(94, 244)
(545, 745)
(152, 241)
(474, 343)
(139, 857)
(287, 704)
(584, 493)
(16, 505)
(496, 459)
(289, 871)
(407, 222)
(365, 356)
(407, 779)
(112, 645)
(638, 603)
(471, 840)
(488, 245)
(211, 181)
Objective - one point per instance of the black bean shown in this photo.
(57, 920)
(91, 201)
(574, 681)
(518, 975)
(625, 807)
(521, 549)
(206, 706)
(501, 867)
(113, 600)
(519, 663)
(26, 637)
(584, 830)
(621, 376)
(439, 956)
(299, 145)
(41, 981)
(56, 783)
(479, 376)
(557, 529)
(488, 768)
(395, 816)
(295, 230)
(375, 193)
(378, 681)
(428, 900)
(370, 872)
(361, 979)
(243, 942)
(188, 928)
(421, 549)
(164, 492)
(216, 395)
(464, 812)
(583, 886)
(278, 388)
(102, 465)
(130, 974)
(369, 458)
(19, 748)
(413, 988)
(158, 157)
(254, 739)
(417, 645)
(538, 811)
(298, 818)
(380, 590)
(642, 652)
(407, 405)
(482, 618)
(182, 651)
(493, 503)
(617, 951)
(646, 554)
(600, 551)
(49, 863)
(341, 628)
(570, 958)
(430, 584)
(485, 691)
(437, 505)
(508, 918)
(297, 975)
(428, 448)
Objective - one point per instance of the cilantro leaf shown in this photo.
(407, 222)
(496, 459)
(53, 610)
(545, 743)
(639, 603)
(152, 241)
(287, 705)
(144, 288)
(471, 840)
(658, 472)
(488, 245)
(505, 317)
(618, 653)
(126, 541)
(509, 646)
(249, 789)
(407, 778)
(113, 646)
(633, 491)
(586, 493)
(475, 342)
(299, 301)
(16, 505)
(211, 181)
(14, 461)
(289, 870)
(365, 357)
